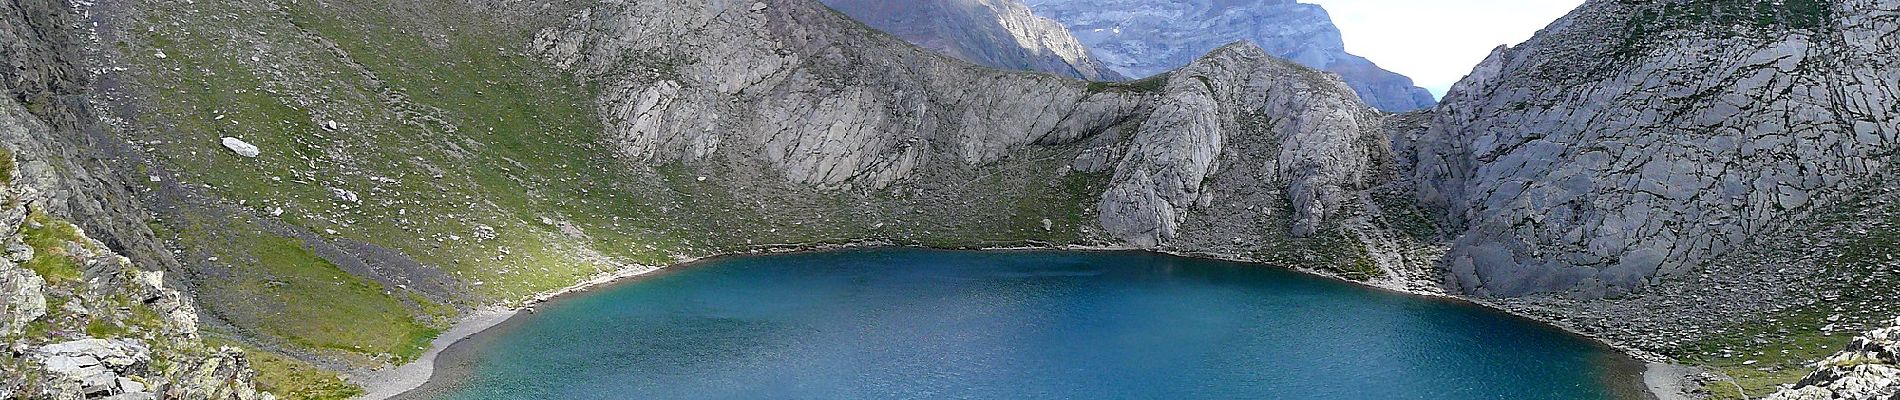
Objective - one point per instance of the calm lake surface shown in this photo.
(903, 323)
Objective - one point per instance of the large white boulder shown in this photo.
(242, 148)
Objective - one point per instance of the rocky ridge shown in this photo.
(882, 113)
(1868, 369)
(997, 33)
(1143, 38)
(1632, 141)
(83, 323)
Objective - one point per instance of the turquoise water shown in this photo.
(903, 323)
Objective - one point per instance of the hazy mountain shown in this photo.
(997, 33)
(1146, 37)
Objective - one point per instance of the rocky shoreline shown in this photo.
(392, 382)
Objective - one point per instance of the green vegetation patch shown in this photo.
(1153, 84)
(1332, 249)
(1720, 18)
(1780, 348)
(291, 379)
(320, 305)
(7, 166)
(49, 238)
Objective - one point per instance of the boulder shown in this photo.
(242, 148)
(1869, 369)
(91, 368)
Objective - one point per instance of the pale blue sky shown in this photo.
(1436, 42)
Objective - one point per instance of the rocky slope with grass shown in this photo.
(82, 322)
(1633, 140)
(1141, 38)
(1706, 180)
(333, 182)
(771, 94)
(997, 33)
(1868, 369)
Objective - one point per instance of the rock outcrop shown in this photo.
(1321, 140)
(774, 84)
(56, 354)
(1142, 38)
(79, 319)
(1869, 369)
(1633, 140)
(996, 33)
(94, 368)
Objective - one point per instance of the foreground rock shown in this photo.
(1868, 370)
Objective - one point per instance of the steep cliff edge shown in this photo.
(1141, 38)
(1633, 140)
(769, 85)
(82, 322)
(1705, 180)
(997, 33)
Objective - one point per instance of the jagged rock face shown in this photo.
(52, 171)
(22, 292)
(774, 82)
(996, 33)
(1869, 369)
(1142, 38)
(50, 122)
(1630, 141)
(1316, 132)
(91, 368)
(21, 298)
(111, 285)
(225, 374)
(812, 95)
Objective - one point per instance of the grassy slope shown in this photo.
(1853, 290)
(446, 134)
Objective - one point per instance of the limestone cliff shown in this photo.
(1633, 140)
(997, 33)
(771, 84)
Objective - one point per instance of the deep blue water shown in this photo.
(901, 323)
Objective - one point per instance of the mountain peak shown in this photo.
(996, 33)
(1142, 38)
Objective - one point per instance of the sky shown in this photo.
(1436, 42)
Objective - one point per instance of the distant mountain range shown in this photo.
(1110, 39)
(997, 33)
(1146, 37)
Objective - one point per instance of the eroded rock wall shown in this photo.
(820, 101)
(1632, 140)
